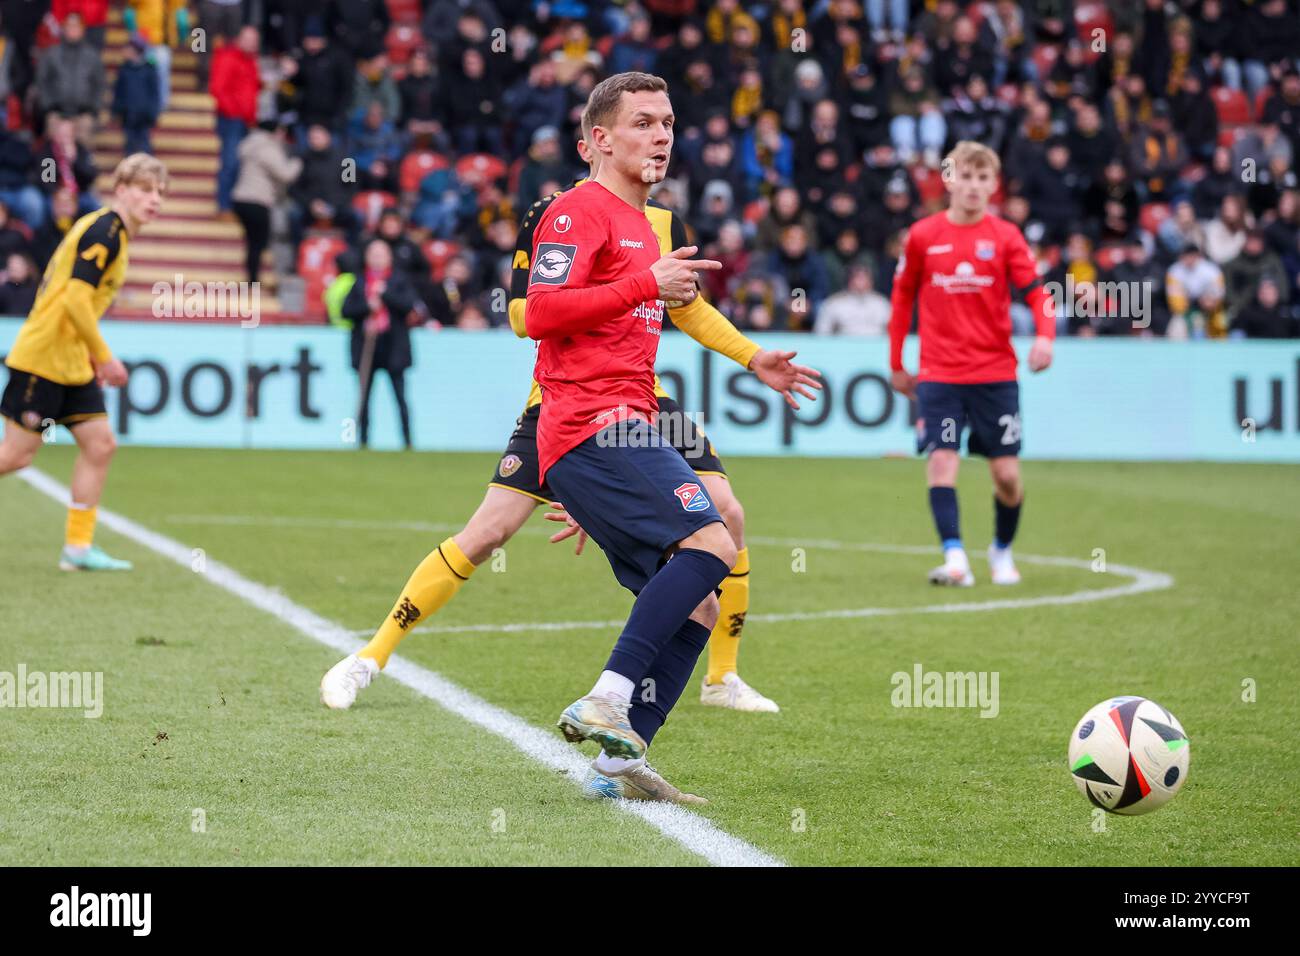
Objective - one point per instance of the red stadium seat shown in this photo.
(1109, 256)
(1232, 106)
(401, 41)
(415, 166)
(316, 266)
(371, 203)
(1152, 215)
(1261, 100)
(438, 251)
(1088, 18)
(1045, 56)
(1228, 137)
(479, 169)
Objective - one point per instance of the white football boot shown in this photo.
(955, 571)
(638, 781)
(1002, 568)
(341, 683)
(734, 693)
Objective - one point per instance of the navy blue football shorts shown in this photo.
(991, 410)
(634, 494)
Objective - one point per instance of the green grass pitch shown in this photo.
(214, 749)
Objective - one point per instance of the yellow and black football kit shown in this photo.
(518, 469)
(51, 377)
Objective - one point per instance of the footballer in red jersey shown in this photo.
(596, 299)
(960, 267)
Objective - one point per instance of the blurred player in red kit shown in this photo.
(963, 265)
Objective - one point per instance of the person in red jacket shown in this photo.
(94, 14)
(234, 84)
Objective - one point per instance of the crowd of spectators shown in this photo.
(1146, 144)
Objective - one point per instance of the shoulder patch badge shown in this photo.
(553, 263)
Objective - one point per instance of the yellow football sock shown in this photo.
(432, 584)
(724, 642)
(81, 526)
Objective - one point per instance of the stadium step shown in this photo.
(226, 253)
(141, 302)
(155, 271)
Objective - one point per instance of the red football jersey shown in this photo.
(594, 307)
(964, 276)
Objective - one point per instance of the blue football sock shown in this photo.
(670, 673)
(664, 603)
(1005, 521)
(943, 505)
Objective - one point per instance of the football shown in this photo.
(1129, 755)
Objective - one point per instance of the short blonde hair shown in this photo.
(970, 153)
(140, 169)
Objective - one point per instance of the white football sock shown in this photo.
(613, 685)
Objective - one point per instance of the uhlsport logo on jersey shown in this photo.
(554, 260)
(692, 496)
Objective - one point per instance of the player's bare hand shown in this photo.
(560, 514)
(904, 382)
(775, 370)
(112, 373)
(676, 271)
(1040, 355)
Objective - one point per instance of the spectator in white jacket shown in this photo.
(858, 310)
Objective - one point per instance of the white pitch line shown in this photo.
(694, 832)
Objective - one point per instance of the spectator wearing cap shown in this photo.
(856, 310)
(808, 92)
(535, 102)
(159, 22)
(235, 84)
(319, 82)
(716, 208)
(968, 53)
(1264, 316)
(824, 131)
(719, 162)
(266, 170)
(137, 97)
(1194, 289)
(1157, 154)
(842, 252)
(866, 109)
(544, 163)
(1219, 180)
(688, 46)
(700, 96)
(70, 78)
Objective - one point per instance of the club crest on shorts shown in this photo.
(509, 465)
(553, 262)
(984, 249)
(692, 496)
